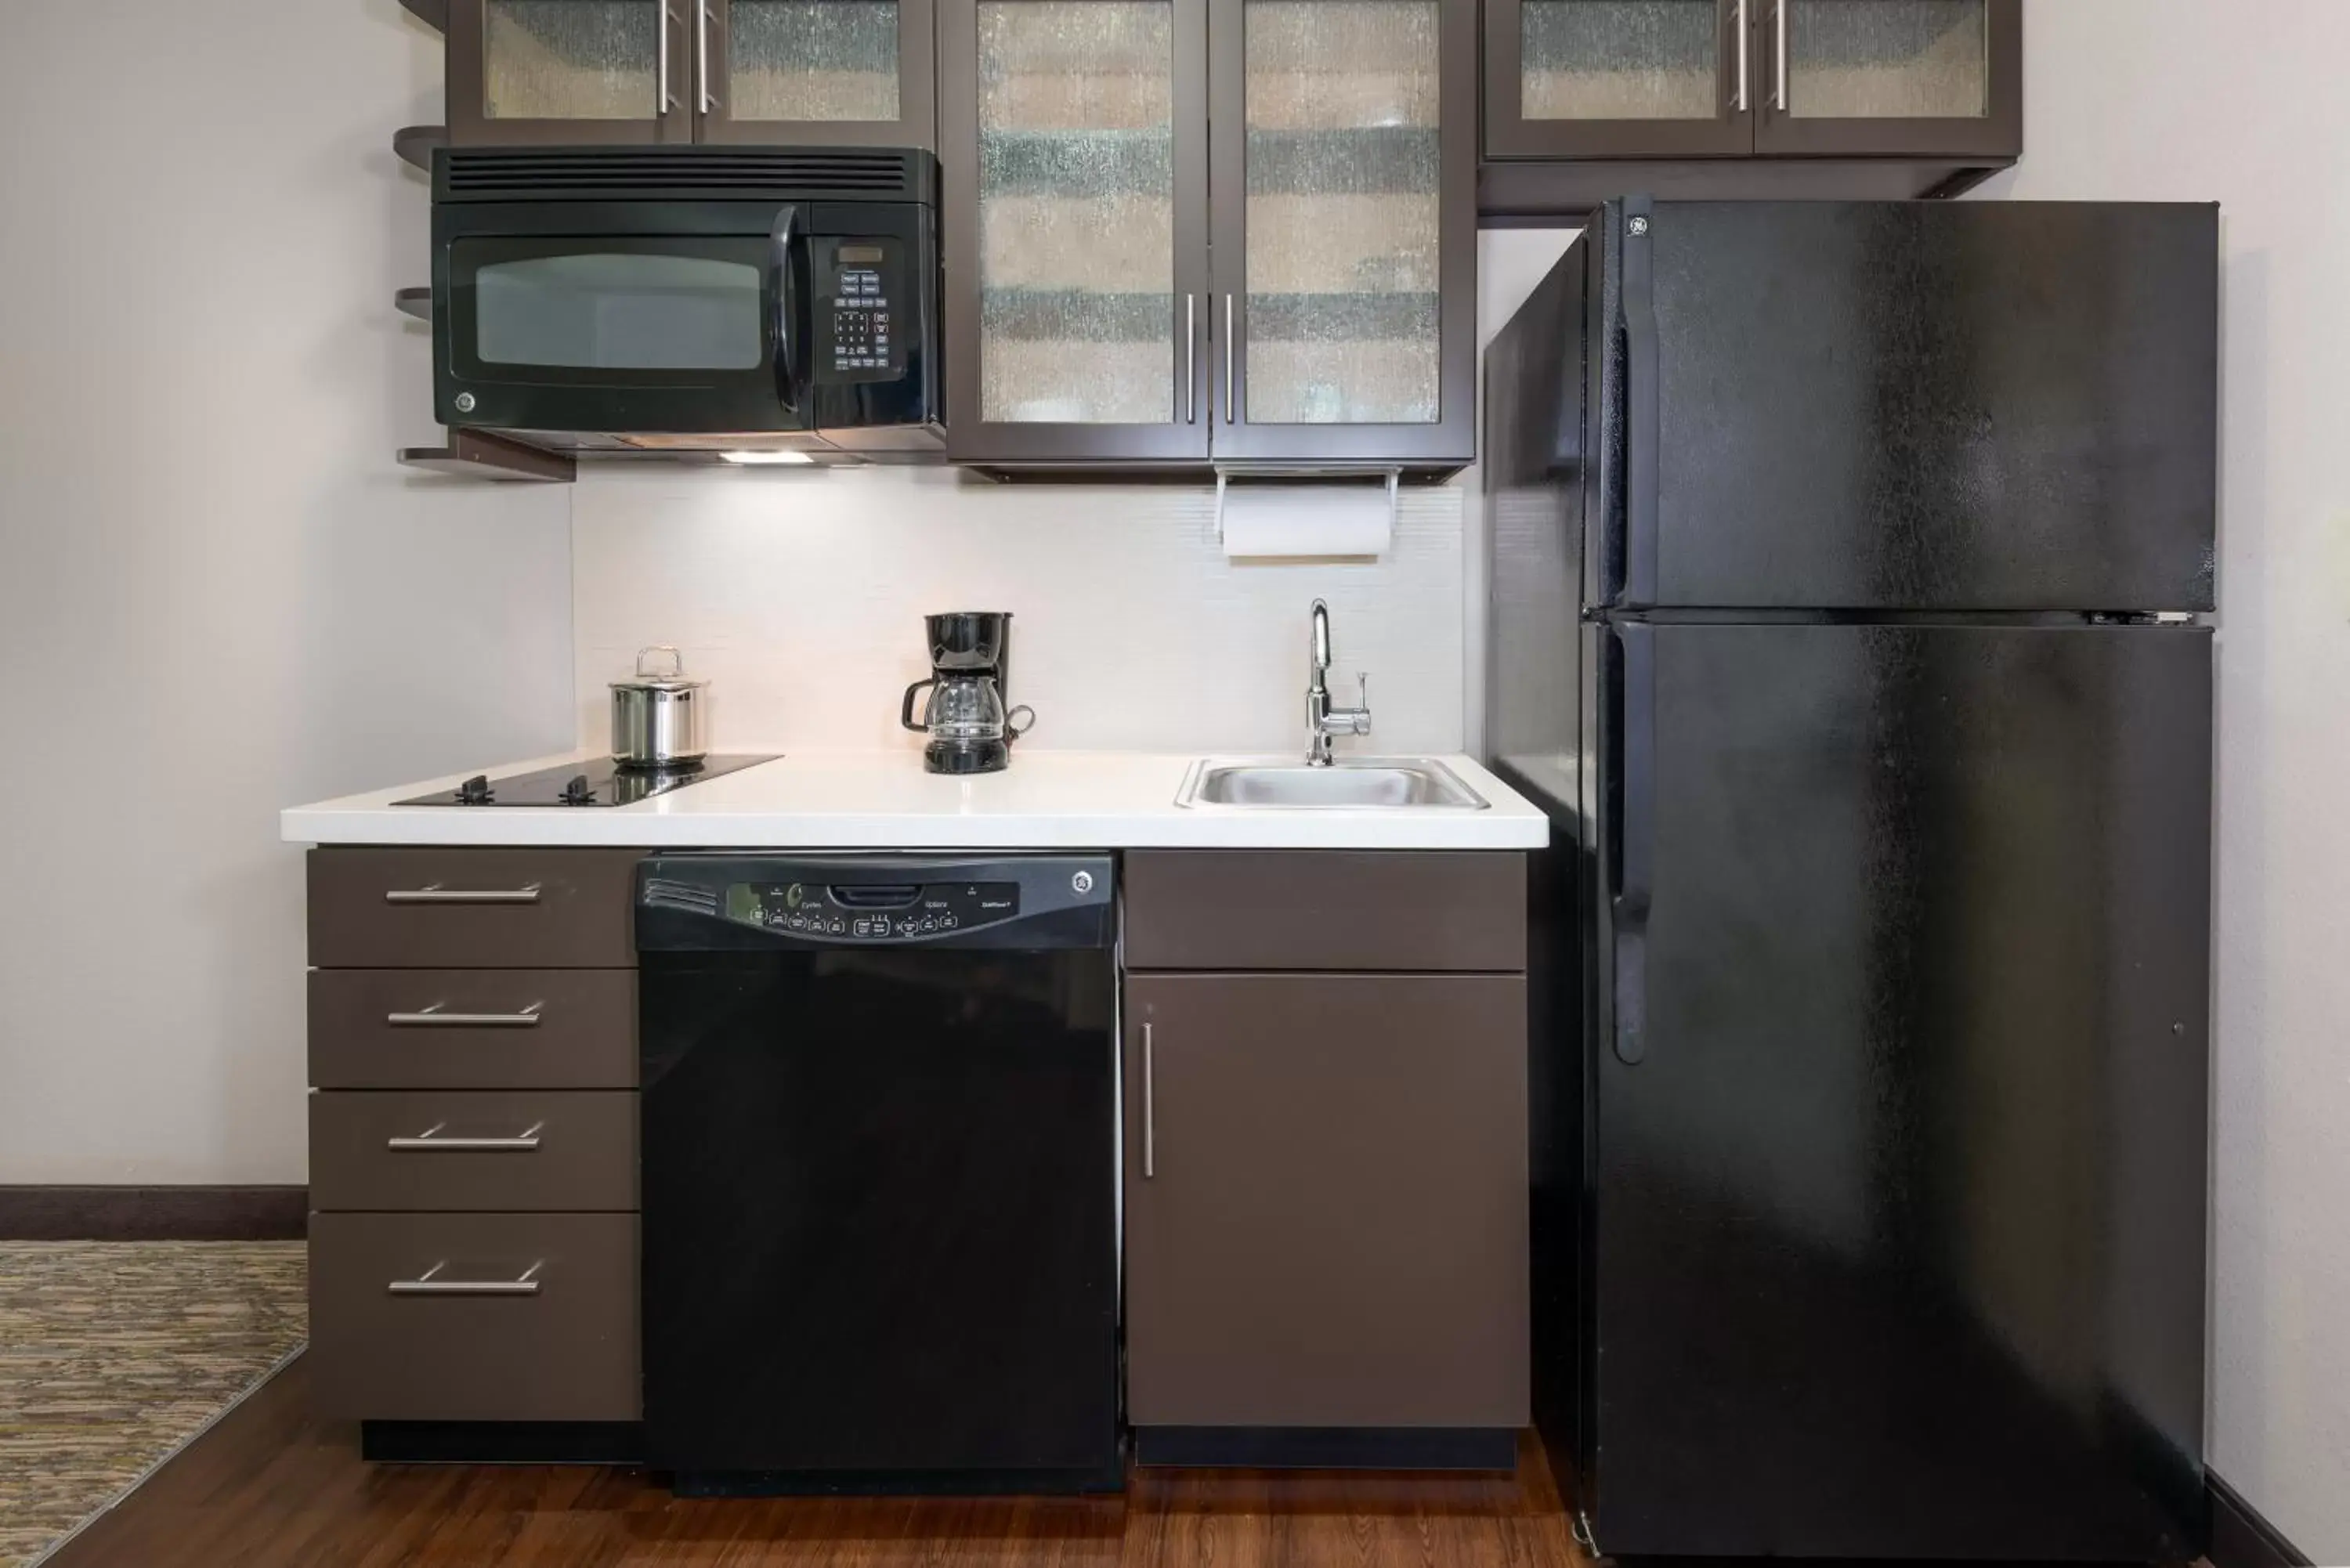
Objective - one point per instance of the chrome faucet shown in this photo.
(1321, 720)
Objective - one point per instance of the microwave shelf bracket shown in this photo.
(476, 454)
(433, 14)
(414, 144)
(415, 302)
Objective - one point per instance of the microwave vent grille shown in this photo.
(709, 173)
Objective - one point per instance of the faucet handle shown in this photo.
(1362, 704)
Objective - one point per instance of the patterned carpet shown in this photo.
(113, 1354)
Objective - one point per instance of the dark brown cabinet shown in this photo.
(1325, 1160)
(629, 72)
(1861, 97)
(474, 1134)
(1912, 79)
(1179, 231)
(1326, 1202)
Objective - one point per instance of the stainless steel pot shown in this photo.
(659, 720)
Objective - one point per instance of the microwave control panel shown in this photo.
(861, 324)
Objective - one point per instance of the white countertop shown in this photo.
(883, 800)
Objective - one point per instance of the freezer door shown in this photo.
(1912, 406)
(1898, 1091)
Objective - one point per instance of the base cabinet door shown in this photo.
(1325, 1200)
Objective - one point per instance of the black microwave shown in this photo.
(680, 299)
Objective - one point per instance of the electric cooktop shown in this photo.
(601, 783)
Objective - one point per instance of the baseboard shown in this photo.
(2240, 1538)
(154, 1214)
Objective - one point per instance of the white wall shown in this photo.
(801, 594)
(2200, 100)
(218, 595)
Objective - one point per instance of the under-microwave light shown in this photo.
(756, 458)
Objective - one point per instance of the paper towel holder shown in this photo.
(1394, 477)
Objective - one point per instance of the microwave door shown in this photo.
(676, 332)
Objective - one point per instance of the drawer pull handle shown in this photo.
(431, 1283)
(522, 1142)
(437, 893)
(434, 1017)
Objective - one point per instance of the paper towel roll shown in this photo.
(1291, 520)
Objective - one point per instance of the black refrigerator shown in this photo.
(1850, 567)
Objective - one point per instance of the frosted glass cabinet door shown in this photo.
(815, 72)
(1596, 78)
(1073, 149)
(580, 72)
(1345, 228)
(1925, 78)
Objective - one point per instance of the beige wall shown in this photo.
(218, 595)
(2242, 103)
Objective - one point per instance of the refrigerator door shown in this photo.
(1897, 1090)
(1932, 405)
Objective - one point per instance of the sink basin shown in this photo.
(1350, 784)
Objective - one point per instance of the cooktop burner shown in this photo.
(602, 783)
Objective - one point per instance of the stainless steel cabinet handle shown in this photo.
(431, 1283)
(1227, 359)
(522, 1142)
(1190, 359)
(1740, 100)
(1149, 1111)
(434, 1017)
(437, 893)
(1782, 55)
(660, 58)
(701, 52)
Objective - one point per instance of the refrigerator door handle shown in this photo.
(1642, 403)
(1636, 858)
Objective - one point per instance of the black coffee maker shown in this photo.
(970, 730)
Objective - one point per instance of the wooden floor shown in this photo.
(270, 1487)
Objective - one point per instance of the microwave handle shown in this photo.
(787, 309)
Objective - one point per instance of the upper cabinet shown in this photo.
(1918, 77)
(1939, 81)
(841, 73)
(623, 72)
(1584, 78)
(1345, 228)
(1075, 161)
(1107, 309)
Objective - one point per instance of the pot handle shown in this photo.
(905, 713)
(1014, 731)
(676, 660)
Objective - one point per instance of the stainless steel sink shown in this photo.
(1350, 784)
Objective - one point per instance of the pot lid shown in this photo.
(650, 679)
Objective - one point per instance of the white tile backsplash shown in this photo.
(801, 595)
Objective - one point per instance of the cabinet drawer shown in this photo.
(474, 908)
(473, 1029)
(474, 1317)
(1315, 910)
(528, 1148)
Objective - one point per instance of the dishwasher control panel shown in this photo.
(873, 912)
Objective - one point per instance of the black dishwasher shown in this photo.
(879, 1172)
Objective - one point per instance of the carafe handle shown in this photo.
(906, 714)
(1013, 731)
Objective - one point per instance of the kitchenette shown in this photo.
(1620, 854)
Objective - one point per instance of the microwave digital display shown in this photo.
(860, 256)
